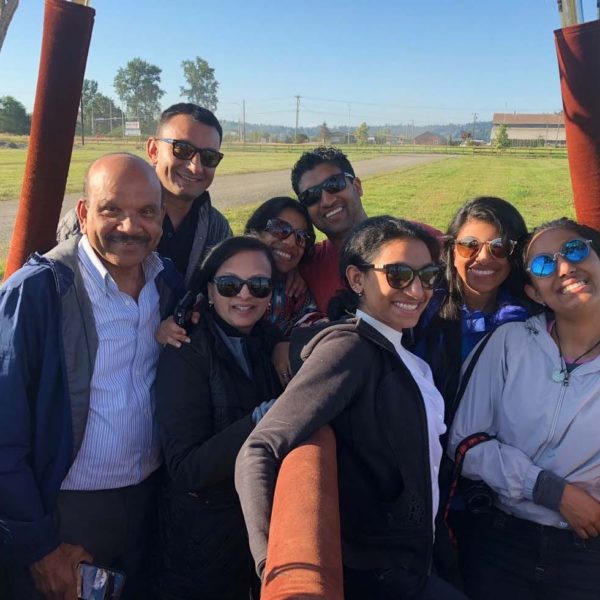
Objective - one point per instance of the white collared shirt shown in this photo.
(432, 399)
(120, 445)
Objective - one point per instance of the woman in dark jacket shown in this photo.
(386, 414)
(210, 395)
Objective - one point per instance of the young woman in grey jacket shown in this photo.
(535, 391)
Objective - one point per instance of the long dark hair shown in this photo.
(224, 251)
(511, 226)
(271, 209)
(364, 245)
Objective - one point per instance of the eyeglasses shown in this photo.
(470, 247)
(399, 275)
(332, 185)
(544, 265)
(185, 151)
(281, 229)
(231, 285)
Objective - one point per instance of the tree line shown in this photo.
(137, 86)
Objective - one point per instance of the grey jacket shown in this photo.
(212, 228)
(539, 424)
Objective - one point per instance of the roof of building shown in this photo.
(528, 119)
(430, 134)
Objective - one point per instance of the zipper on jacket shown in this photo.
(560, 402)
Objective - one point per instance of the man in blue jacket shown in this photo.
(78, 447)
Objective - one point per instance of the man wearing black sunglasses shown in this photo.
(325, 183)
(185, 153)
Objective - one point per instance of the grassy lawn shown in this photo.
(539, 187)
(238, 160)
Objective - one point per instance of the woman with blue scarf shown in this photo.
(483, 288)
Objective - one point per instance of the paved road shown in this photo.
(237, 190)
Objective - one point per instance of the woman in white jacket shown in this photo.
(535, 390)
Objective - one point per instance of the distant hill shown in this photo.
(280, 132)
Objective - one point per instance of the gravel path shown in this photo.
(236, 190)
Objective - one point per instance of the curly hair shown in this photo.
(318, 156)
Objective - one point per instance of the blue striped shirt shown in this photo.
(120, 445)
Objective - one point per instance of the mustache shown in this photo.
(124, 238)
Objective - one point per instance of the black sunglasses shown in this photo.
(281, 229)
(231, 285)
(399, 275)
(185, 151)
(332, 185)
(469, 247)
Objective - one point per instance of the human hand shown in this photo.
(294, 284)
(55, 575)
(280, 358)
(261, 410)
(581, 510)
(170, 333)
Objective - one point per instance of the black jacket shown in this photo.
(204, 406)
(354, 380)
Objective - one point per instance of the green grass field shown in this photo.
(238, 160)
(538, 187)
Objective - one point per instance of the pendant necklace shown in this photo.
(562, 375)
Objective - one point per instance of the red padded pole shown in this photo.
(578, 49)
(66, 40)
(304, 556)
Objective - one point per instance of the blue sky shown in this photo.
(383, 61)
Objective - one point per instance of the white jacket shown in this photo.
(539, 424)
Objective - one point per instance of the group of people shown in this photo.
(460, 374)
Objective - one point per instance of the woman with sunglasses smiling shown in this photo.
(386, 414)
(535, 390)
(483, 289)
(284, 225)
(210, 395)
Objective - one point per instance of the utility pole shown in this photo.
(244, 121)
(82, 133)
(474, 122)
(297, 117)
(110, 113)
(349, 123)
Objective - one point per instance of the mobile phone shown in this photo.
(183, 307)
(99, 583)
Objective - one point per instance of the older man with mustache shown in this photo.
(78, 448)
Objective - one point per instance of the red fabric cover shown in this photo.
(304, 558)
(65, 44)
(578, 49)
